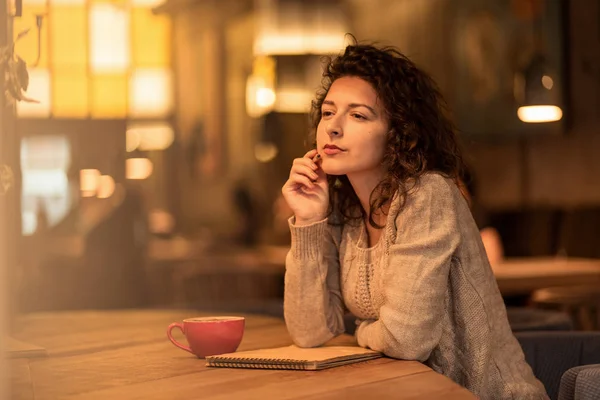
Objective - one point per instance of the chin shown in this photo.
(333, 168)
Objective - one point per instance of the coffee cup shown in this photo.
(209, 336)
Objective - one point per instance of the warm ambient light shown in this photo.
(161, 221)
(106, 187)
(293, 100)
(547, 82)
(299, 43)
(265, 97)
(149, 136)
(39, 90)
(289, 27)
(138, 168)
(260, 97)
(150, 92)
(88, 182)
(109, 38)
(537, 114)
(265, 151)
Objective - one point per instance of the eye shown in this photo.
(359, 116)
(326, 113)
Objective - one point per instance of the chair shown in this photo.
(581, 302)
(528, 232)
(581, 383)
(523, 319)
(551, 354)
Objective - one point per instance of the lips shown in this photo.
(331, 149)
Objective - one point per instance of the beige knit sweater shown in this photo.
(424, 292)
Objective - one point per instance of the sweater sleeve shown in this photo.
(313, 305)
(416, 279)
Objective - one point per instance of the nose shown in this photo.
(334, 128)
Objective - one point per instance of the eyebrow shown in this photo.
(353, 105)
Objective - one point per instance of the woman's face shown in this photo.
(352, 133)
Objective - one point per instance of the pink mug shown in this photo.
(209, 336)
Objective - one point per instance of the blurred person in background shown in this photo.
(245, 205)
(489, 235)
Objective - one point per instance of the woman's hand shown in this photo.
(307, 191)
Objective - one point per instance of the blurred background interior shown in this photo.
(148, 173)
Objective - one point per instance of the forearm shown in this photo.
(397, 341)
(417, 276)
(411, 319)
(313, 306)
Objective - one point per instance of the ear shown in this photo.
(409, 139)
(412, 144)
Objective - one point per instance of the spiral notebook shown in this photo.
(293, 357)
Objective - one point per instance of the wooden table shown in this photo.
(126, 355)
(524, 275)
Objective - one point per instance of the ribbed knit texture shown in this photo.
(424, 292)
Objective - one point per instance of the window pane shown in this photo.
(151, 93)
(68, 40)
(109, 38)
(70, 93)
(67, 2)
(146, 3)
(45, 191)
(151, 38)
(109, 96)
(27, 46)
(39, 89)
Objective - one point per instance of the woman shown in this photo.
(380, 228)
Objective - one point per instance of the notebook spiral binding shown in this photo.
(265, 363)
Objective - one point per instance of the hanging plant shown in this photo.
(16, 77)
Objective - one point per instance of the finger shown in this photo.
(311, 153)
(304, 170)
(306, 161)
(321, 174)
(301, 180)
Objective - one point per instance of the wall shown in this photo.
(213, 57)
(560, 171)
(552, 170)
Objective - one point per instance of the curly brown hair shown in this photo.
(422, 137)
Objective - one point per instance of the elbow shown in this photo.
(307, 341)
(406, 352)
(305, 338)
(413, 346)
(304, 334)
(401, 347)
(310, 331)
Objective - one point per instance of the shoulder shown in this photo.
(431, 201)
(431, 190)
(433, 183)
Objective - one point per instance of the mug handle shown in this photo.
(172, 339)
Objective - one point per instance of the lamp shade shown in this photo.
(538, 93)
